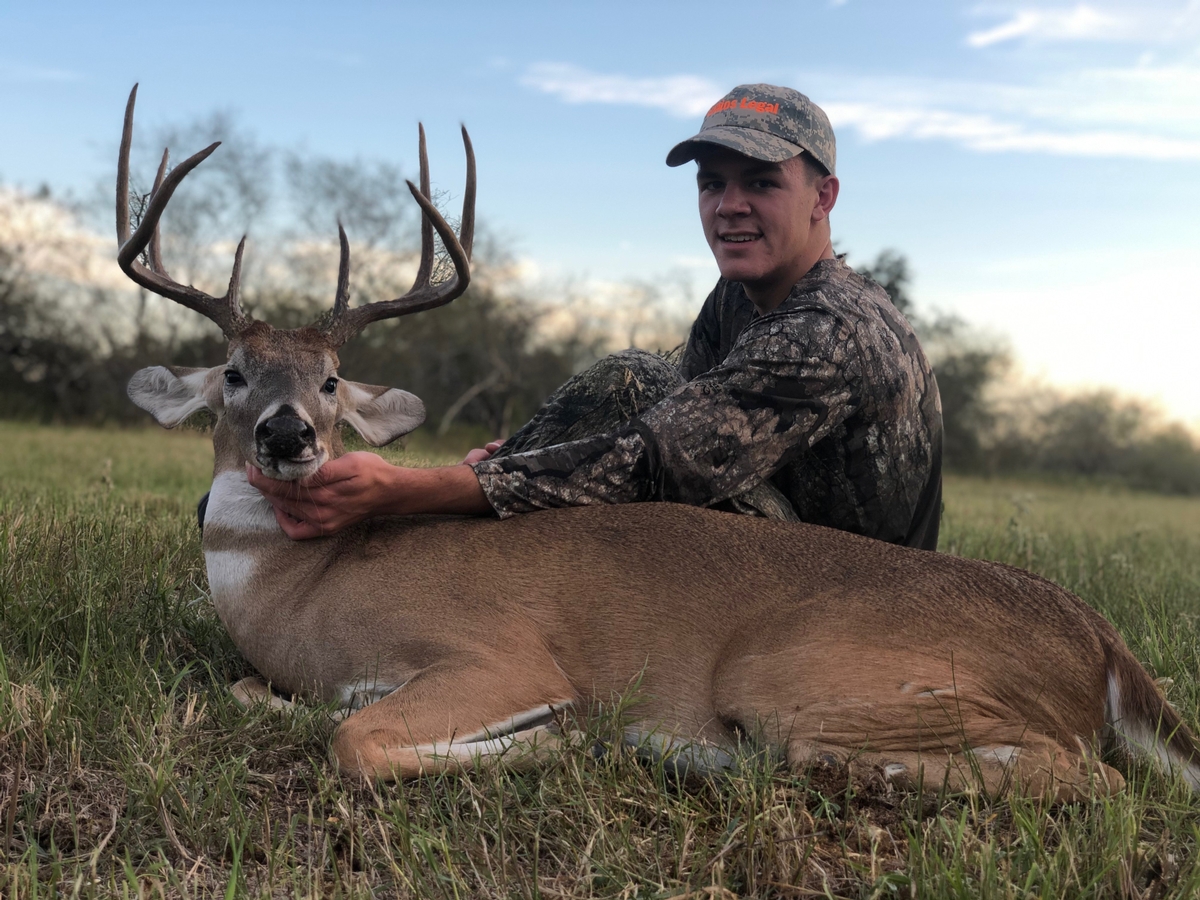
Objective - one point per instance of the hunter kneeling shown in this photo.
(802, 393)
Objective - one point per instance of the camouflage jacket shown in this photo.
(829, 397)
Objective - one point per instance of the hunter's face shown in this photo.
(757, 216)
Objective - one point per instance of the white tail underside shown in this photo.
(1141, 739)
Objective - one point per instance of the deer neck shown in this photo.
(258, 578)
(238, 517)
(256, 574)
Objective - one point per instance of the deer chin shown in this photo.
(295, 468)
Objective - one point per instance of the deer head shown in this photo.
(278, 399)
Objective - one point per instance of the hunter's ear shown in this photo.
(379, 414)
(170, 395)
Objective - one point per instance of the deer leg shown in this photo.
(452, 716)
(253, 690)
(1039, 768)
(680, 755)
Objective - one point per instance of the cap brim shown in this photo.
(747, 141)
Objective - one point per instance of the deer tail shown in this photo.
(1144, 724)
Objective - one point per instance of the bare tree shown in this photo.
(369, 197)
(230, 196)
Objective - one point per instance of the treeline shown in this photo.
(70, 341)
(995, 425)
(481, 361)
(486, 362)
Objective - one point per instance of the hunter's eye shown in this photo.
(233, 378)
(330, 386)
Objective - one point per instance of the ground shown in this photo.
(136, 774)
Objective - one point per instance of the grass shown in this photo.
(127, 770)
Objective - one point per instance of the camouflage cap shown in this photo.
(764, 122)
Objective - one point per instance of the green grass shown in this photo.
(136, 775)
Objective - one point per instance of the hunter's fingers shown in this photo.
(291, 496)
(479, 454)
(271, 487)
(344, 468)
(301, 506)
(294, 528)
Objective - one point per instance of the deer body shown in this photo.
(812, 640)
(455, 640)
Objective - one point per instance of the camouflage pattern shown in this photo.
(825, 410)
(764, 122)
(607, 396)
(618, 388)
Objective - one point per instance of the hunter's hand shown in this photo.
(479, 454)
(342, 492)
(360, 485)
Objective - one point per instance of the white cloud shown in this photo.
(985, 133)
(705, 263)
(19, 73)
(1146, 98)
(1145, 112)
(1160, 22)
(1140, 112)
(51, 242)
(1082, 22)
(684, 96)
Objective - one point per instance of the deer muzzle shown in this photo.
(285, 437)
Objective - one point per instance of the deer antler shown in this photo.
(225, 311)
(343, 323)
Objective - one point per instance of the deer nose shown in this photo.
(284, 435)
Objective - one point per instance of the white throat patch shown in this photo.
(234, 505)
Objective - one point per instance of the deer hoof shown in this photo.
(252, 691)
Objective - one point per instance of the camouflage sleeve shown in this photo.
(701, 352)
(790, 380)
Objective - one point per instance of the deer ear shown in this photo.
(379, 414)
(170, 395)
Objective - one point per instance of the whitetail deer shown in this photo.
(456, 640)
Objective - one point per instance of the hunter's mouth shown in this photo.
(739, 238)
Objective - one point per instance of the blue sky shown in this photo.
(1038, 162)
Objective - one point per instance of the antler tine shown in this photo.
(425, 270)
(466, 226)
(341, 301)
(154, 251)
(423, 295)
(233, 296)
(224, 311)
(123, 170)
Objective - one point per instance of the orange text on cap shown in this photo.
(747, 104)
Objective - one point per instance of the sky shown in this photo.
(1037, 162)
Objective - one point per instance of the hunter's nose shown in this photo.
(284, 435)
(734, 202)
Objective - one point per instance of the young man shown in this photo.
(802, 393)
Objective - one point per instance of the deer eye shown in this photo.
(233, 378)
(330, 386)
